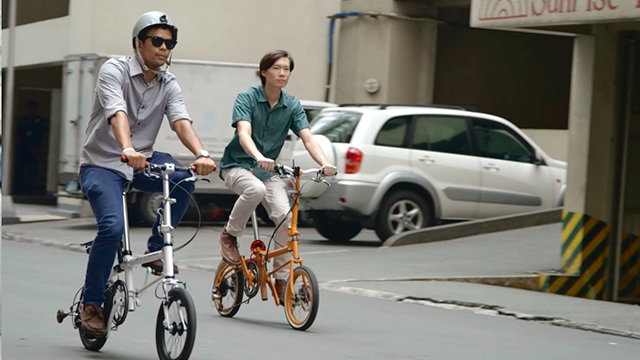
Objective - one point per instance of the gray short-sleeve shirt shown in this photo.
(121, 86)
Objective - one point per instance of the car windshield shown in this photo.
(311, 114)
(337, 126)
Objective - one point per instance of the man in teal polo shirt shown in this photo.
(262, 116)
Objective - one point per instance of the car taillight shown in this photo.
(354, 157)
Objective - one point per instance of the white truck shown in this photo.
(209, 90)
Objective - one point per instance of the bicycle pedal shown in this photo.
(152, 271)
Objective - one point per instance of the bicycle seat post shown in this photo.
(254, 222)
(127, 239)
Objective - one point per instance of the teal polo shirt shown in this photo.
(269, 128)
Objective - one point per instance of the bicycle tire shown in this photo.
(228, 283)
(89, 342)
(180, 300)
(305, 297)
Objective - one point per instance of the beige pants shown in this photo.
(273, 196)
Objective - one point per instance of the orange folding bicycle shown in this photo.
(302, 294)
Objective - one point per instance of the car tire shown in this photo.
(335, 230)
(148, 205)
(412, 213)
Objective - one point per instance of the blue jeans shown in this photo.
(103, 187)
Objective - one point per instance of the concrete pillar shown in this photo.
(604, 112)
(398, 53)
(588, 244)
(579, 122)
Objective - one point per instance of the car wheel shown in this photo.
(148, 204)
(402, 211)
(335, 230)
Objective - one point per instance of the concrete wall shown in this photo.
(554, 142)
(398, 53)
(215, 30)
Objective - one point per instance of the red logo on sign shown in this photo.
(503, 9)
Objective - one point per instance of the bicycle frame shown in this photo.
(127, 261)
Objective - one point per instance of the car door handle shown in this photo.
(427, 160)
(491, 167)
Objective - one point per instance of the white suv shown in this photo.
(404, 167)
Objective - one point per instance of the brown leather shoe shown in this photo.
(92, 319)
(229, 247)
(280, 285)
(158, 266)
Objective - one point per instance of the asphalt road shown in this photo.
(37, 280)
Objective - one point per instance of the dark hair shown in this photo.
(269, 59)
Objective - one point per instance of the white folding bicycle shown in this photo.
(176, 320)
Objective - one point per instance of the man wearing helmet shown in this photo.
(132, 96)
(262, 116)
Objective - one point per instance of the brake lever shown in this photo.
(150, 174)
(323, 181)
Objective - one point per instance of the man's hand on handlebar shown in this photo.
(266, 164)
(329, 170)
(135, 159)
(204, 166)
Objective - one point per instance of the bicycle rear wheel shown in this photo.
(228, 287)
(176, 335)
(301, 305)
(90, 342)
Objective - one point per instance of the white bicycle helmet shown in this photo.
(145, 21)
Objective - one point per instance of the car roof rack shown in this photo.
(384, 106)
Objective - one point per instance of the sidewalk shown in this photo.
(420, 274)
(26, 213)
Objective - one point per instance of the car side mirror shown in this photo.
(537, 160)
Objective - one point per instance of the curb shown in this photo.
(523, 282)
(79, 248)
(12, 220)
(475, 227)
(478, 308)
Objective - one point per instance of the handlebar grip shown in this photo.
(125, 160)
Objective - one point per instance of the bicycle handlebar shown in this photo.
(164, 167)
(284, 170)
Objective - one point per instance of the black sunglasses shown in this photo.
(157, 41)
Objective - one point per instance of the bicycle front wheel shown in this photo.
(176, 334)
(301, 304)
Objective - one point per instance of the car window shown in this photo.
(393, 132)
(311, 113)
(442, 134)
(337, 126)
(497, 141)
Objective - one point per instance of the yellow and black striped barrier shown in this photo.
(629, 285)
(584, 260)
